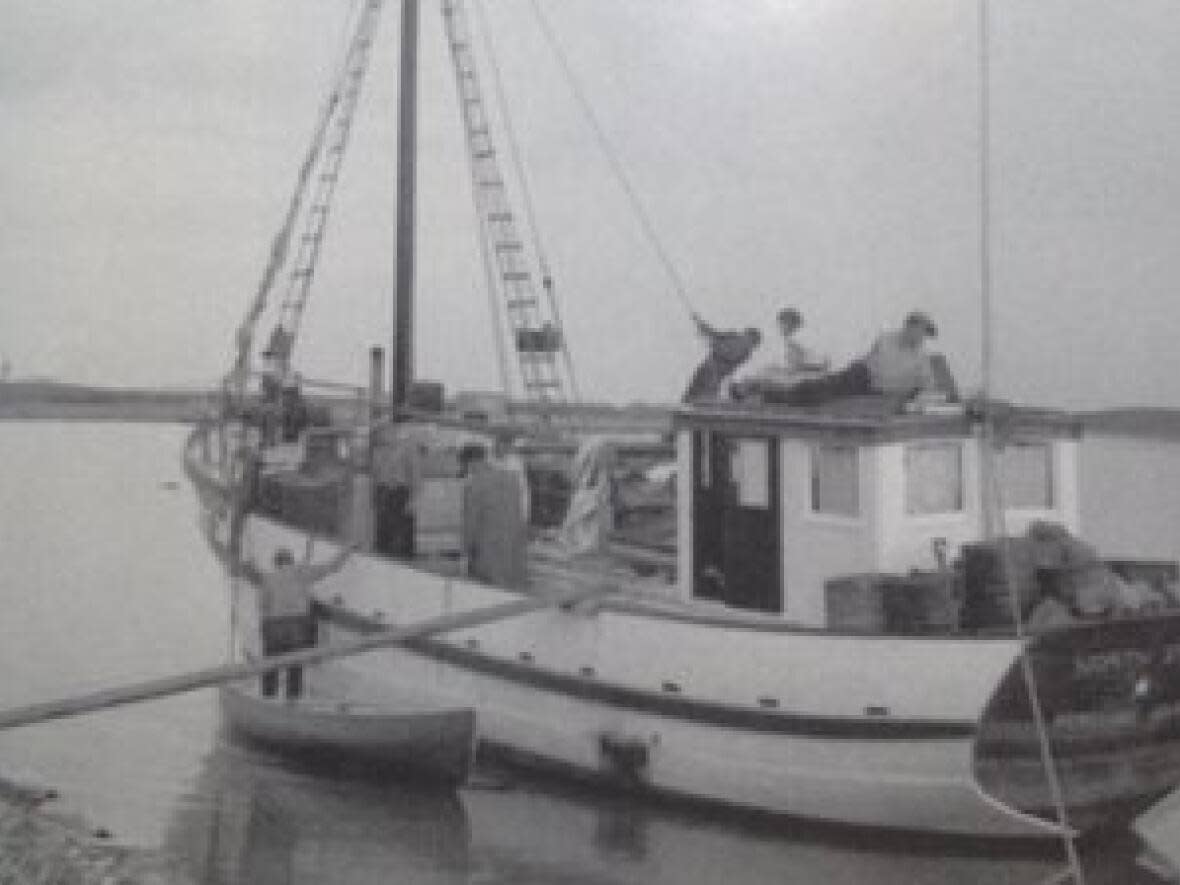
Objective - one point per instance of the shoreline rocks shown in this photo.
(39, 846)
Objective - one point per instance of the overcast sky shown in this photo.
(820, 153)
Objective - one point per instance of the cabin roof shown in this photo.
(873, 419)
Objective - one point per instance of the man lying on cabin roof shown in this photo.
(897, 366)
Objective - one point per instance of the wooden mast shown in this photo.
(402, 357)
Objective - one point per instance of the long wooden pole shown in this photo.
(402, 358)
(184, 682)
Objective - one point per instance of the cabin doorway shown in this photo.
(737, 555)
(710, 485)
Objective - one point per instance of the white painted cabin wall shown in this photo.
(1068, 478)
(907, 540)
(884, 537)
(1067, 508)
(816, 547)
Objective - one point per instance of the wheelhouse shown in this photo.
(780, 508)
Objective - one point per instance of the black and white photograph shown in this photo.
(590, 442)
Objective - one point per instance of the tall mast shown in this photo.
(402, 358)
(988, 465)
(985, 207)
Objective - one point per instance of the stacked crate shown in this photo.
(918, 603)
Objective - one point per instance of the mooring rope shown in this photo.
(280, 245)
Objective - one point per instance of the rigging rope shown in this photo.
(510, 136)
(547, 283)
(645, 223)
(491, 277)
(282, 240)
(503, 327)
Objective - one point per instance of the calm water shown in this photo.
(107, 580)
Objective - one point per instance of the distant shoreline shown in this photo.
(1145, 423)
(59, 401)
(130, 412)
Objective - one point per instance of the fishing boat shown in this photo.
(424, 743)
(845, 638)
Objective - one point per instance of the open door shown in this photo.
(710, 491)
(752, 560)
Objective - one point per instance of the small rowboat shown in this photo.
(430, 744)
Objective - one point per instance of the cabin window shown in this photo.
(1026, 475)
(835, 480)
(934, 478)
(750, 466)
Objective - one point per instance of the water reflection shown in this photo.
(254, 820)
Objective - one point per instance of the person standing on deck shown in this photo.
(495, 537)
(728, 350)
(507, 458)
(396, 480)
(284, 611)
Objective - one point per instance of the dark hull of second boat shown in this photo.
(1109, 695)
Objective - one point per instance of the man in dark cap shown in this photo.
(898, 362)
(727, 351)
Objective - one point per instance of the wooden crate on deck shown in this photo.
(855, 603)
(923, 602)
